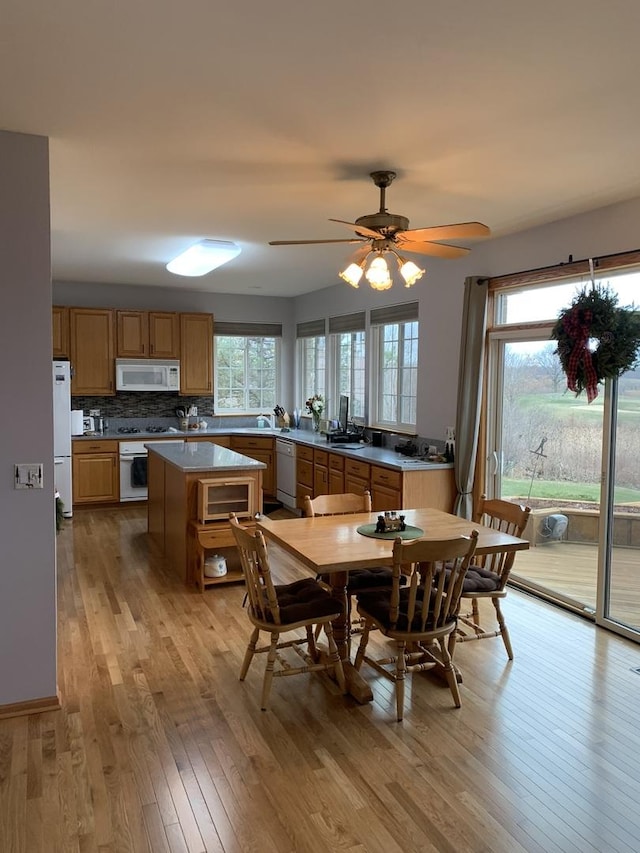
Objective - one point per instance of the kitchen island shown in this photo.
(192, 488)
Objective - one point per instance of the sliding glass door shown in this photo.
(577, 464)
(619, 600)
(546, 452)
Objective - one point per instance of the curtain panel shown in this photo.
(470, 385)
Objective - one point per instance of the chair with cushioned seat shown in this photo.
(488, 575)
(422, 616)
(278, 609)
(358, 580)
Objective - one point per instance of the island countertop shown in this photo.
(203, 456)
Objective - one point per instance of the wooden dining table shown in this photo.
(332, 545)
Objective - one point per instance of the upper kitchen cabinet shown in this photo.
(60, 326)
(91, 335)
(147, 334)
(196, 354)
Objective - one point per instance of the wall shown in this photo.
(27, 518)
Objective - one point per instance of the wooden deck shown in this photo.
(571, 570)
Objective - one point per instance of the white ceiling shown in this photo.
(255, 121)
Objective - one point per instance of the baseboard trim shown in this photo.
(33, 706)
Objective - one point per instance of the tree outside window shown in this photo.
(397, 375)
(349, 348)
(246, 373)
(312, 361)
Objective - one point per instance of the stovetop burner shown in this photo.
(156, 429)
(128, 430)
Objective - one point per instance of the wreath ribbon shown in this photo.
(577, 325)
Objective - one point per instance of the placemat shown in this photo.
(409, 533)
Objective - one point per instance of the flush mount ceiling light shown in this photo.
(203, 257)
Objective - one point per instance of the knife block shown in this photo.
(283, 421)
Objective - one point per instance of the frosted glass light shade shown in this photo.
(203, 257)
(378, 274)
(410, 272)
(352, 275)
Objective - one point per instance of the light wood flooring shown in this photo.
(160, 748)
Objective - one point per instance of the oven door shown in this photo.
(133, 477)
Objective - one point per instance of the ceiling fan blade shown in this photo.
(360, 254)
(360, 229)
(457, 231)
(438, 250)
(309, 242)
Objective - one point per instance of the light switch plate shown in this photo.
(28, 475)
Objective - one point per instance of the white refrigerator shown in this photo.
(62, 433)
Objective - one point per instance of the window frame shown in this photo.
(402, 316)
(249, 332)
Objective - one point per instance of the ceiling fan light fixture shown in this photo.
(203, 257)
(409, 271)
(378, 274)
(352, 274)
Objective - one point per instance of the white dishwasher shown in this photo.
(286, 472)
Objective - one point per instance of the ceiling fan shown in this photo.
(384, 232)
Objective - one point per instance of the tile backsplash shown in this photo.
(142, 405)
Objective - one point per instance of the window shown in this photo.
(347, 337)
(247, 357)
(395, 366)
(311, 359)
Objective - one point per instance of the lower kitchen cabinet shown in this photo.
(386, 489)
(357, 476)
(336, 474)
(320, 472)
(304, 474)
(262, 450)
(95, 472)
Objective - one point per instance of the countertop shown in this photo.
(204, 456)
(366, 452)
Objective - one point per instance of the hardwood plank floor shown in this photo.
(159, 747)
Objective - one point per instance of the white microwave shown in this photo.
(147, 374)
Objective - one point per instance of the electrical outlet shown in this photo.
(28, 475)
(94, 413)
(432, 449)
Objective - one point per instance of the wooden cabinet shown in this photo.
(196, 354)
(304, 474)
(262, 450)
(152, 334)
(336, 474)
(220, 440)
(91, 336)
(205, 539)
(218, 497)
(320, 473)
(60, 329)
(357, 476)
(95, 472)
(386, 489)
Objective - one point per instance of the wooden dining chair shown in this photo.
(488, 575)
(421, 616)
(280, 609)
(358, 580)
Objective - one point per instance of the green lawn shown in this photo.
(560, 490)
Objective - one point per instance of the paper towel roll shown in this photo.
(77, 417)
